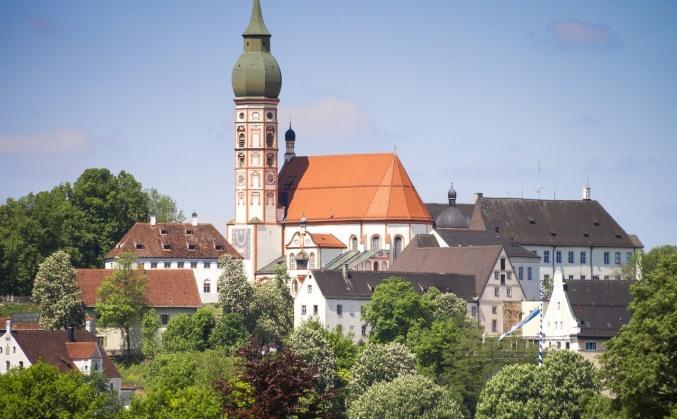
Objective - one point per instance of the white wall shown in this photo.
(488, 299)
(12, 353)
(559, 323)
(593, 266)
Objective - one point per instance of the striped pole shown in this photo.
(541, 343)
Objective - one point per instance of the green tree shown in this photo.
(407, 396)
(395, 308)
(189, 332)
(228, 332)
(512, 393)
(379, 363)
(57, 294)
(431, 344)
(273, 308)
(150, 338)
(639, 364)
(194, 402)
(121, 297)
(163, 207)
(235, 292)
(312, 346)
(448, 306)
(41, 391)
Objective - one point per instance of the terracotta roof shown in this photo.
(361, 284)
(464, 238)
(601, 307)
(19, 325)
(327, 240)
(166, 287)
(549, 222)
(349, 188)
(173, 241)
(478, 261)
(52, 347)
(83, 350)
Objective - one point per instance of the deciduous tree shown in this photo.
(151, 341)
(163, 207)
(235, 292)
(189, 332)
(273, 308)
(312, 346)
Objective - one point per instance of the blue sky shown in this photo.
(474, 92)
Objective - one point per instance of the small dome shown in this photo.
(452, 193)
(290, 135)
(451, 217)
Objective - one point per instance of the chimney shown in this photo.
(586, 193)
(153, 219)
(89, 325)
(194, 221)
(344, 271)
(71, 334)
(8, 326)
(478, 195)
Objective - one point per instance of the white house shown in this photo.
(582, 315)
(193, 246)
(68, 350)
(336, 297)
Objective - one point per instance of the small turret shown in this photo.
(290, 140)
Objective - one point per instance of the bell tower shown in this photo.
(257, 82)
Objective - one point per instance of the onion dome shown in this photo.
(256, 73)
(290, 135)
(451, 217)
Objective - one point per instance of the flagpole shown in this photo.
(541, 342)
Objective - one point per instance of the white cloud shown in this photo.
(59, 141)
(574, 34)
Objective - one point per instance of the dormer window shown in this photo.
(553, 234)
(189, 232)
(532, 221)
(595, 223)
(139, 246)
(163, 232)
(218, 246)
(166, 246)
(192, 247)
(586, 235)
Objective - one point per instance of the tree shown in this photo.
(345, 350)
(407, 396)
(379, 363)
(235, 292)
(189, 332)
(229, 331)
(42, 391)
(57, 294)
(560, 388)
(194, 402)
(448, 306)
(394, 308)
(312, 346)
(163, 207)
(121, 297)
(639, 364)
(273, 308)
(431, 344)
(150, 339)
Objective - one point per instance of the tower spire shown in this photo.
(256, 25)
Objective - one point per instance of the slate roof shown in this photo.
(478, 261)
(269, 269)
(352, 258)
(52, 347)
(456, 237)
(601, 307)
(353, 187)
(549, 222)
(166, 287)
(149, 241)
(435, 209)
(363, 283)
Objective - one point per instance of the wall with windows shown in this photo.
(11, 354)
(527, 271)
(560, 327)
(582, 262)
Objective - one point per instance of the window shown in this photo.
(591, 345)
(628, 256)
(494, 310)
(269, 140)
(192, 247)
(509, 275)
(13, 349)
(206, 286)
(153, 265)
(583, 257)
(546, 278)
(529, 273)
(571, 257)
(520, 272)
(206, 265)
(163, 232)
(166, 246)
(241, 141)
(269, 160)
(240, 160)
(353, 243)
(559, 304)
(180, 265)
(503, 264)
(315, 310)
(571, 277)
(496, 274)
(101, 340)
(509, 291)
(566, 345)
(546, 256)
(189, 232)
(292, 262)
(398, 247)
(310, 288)
(606, 277)
(193, 265)
(303, 310)
(473, 311)
(618, 258)
(502, 279)
(582, 276)
(139, 246)
(7, 365)
(606, 258)
(376, 242)
(364, 330)
(558, 257)
(375, 266)
(164, 319)
(497, 291)
(339, 310)
(494, 325)
(311, 261)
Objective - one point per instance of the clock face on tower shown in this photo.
(270, 178)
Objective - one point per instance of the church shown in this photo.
(355, 210)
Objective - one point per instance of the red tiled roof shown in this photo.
(327, 241)
(151, 241)
(82, 350)
(166, 287)
(52, 347)
(19, 325)
(350, 188)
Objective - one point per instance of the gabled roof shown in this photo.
(353, 187)
(478, 261)
(83, 350)
(601, 307)
(361, 284)
(166, 287)
(327, 241)
(269, 269)
(352, 258)
(149, 241)
(549, 222)
(52, 347)
(464, 238)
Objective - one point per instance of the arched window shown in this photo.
(241, 141)
(375, 266)
(240, 160)
(269, 160)
(206, 286)
(269, 140)
(292, 262)
(295, 287)
(311, 261)
(397, 251)
(270, 199)
(353, 243)
(375, 242)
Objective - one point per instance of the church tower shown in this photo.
(257, 82)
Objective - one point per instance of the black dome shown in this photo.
(451, 217)
(290, 135)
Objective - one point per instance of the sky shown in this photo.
(476, 93)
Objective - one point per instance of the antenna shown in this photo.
(539, 188)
